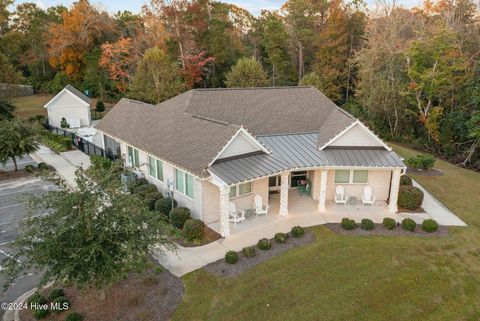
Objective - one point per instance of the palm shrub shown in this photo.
(367, 224)
(178, 216)
(165, 205)
(297, 231)
(249, 251)
(408, 224)
(429, 226)
(280, 237)
(193, 229)
(348, 224)
(264, 244)
(410, 197)
(389, 223)
(231, 257)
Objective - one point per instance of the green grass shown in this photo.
(359, 277)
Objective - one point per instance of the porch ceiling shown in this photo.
(295, 151)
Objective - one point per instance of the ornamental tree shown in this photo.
(16, 139)
(91, 237)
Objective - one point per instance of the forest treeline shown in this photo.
(411, 75)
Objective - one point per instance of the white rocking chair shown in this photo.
(367, 196)
(340, 197)
(260, 209)
(234, 215)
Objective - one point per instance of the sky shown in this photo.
(254, 6)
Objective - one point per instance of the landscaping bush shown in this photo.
(55, 142)
(248, 251)
(42, 166)
(100, 162)
(421, 161)
(74, 316)
(138, 182)
(55, 293)
(64, 123)
(405, 180)
(348, 224)
(280, 237)
(30, 168)
(61, 303)
(37, 298)
(40, 313)
(164, 205)
(193, 229)
(410, 197)
(408, 224)
(178, 216)
(151, 199)
(231, 257)
(389, 223)
(367, 224)
(430, 226)
(264, 244)
(297, 231)
(145, 189)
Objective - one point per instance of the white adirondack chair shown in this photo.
(340, 197)
(367, 196)
(260, 209)
(234, 215)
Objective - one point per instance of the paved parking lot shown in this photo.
(12, 213)
(21, 163)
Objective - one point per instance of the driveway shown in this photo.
(12, 213)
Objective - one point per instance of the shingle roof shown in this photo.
(77, 93)
(190, 129)
(296, 151)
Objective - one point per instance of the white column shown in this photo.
(394, 187)
(323, 191)
(284, 194)
(224, 199)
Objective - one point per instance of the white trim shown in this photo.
(252, 139)
(368, 131)
(71, 94)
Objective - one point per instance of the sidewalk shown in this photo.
(64, 163)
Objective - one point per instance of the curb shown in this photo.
(14, 315)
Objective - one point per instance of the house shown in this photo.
(216, 146)
(70, 104)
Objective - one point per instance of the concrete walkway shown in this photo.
(65, 163)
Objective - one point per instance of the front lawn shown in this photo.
(341, 277)
(30, 106)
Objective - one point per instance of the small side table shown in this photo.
(249, 213)
(352, 200)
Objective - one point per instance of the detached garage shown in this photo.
(70, 104)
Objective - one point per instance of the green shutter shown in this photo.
(233, 192)
(179, 181)
(130, 155)
(137, 159)
(159, 170)
(153, 166)
(189, 185)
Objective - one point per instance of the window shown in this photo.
(343, 176)
(133, 158)
(184, 183)
(152, 165)
(159, 170)
(240, 190)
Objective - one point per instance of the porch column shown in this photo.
(323, 191)
(224, 199)
(284, 194)
(394, 187)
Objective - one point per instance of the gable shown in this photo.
(239, 145)
(66, 99)
(357, 136)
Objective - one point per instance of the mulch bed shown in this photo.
(406, 210)
(428, 172)
(149, 296)
(379, 229)
(210, 236)
(221, 268)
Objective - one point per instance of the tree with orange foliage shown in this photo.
(119, 58)
(82, 28)
(195, 68)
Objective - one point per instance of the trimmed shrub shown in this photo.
(151, 199)
(138, 182)
(64, 123)
(37, 298)
(193, 229)
(40, 313)
(348, 224)
(297, 231)
(280, 237)
(100, 162)
(30, 168)
(389, 223)
(144, 190)
(367, 224)
(61, 303)
(264, 244)
(430, 226)
(410, 197)
(74, 316)
(42, 165)
(164, 205)
(178, 216)
(231, 257)
(405, 180)
(408, 224)
(249, 251)
(55, 293)
(421, 161)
